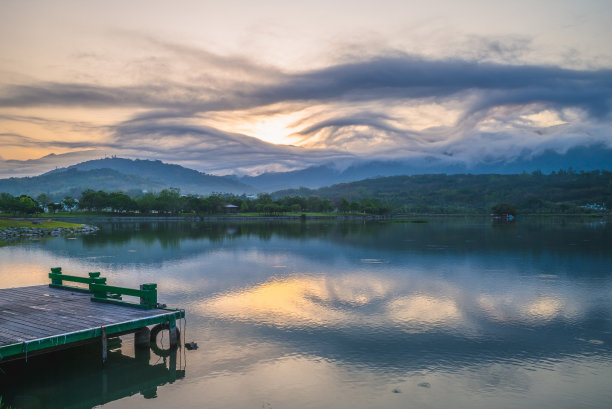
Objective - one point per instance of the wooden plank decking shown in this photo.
(33, 319)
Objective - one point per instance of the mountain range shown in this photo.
(168, 175)
(579, 158)
(135, 176)
(118, 174)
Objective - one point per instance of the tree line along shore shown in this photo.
(563, 192)
(171, 202)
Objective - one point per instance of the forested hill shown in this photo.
(563, 191)
(169, 175)
(125, 175)
(72, 182)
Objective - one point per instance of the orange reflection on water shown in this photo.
(536, 309)
(544, 308)
(425, 310)
(351, 300)
(22, 273)
(293, 301)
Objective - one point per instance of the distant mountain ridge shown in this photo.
(118, 174)
(72, 182)
(35, 167)
(128, 175)
(584, 158)
(561, 192)
(169, 175)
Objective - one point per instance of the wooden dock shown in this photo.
(42, 318)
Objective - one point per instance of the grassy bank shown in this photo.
(5, 218)
(60, 215)
(37, 224)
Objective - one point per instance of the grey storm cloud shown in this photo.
(14, 139)
(172, 122)
(168, 95)
(410, 78)
(397, 77)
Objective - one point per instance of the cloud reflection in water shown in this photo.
(374, 301)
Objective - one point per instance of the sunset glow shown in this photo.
(203, 85)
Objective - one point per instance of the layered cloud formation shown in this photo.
(232, 114)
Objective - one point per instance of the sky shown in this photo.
(247, 87)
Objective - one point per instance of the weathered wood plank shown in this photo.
(61, 318)
(27, 330)
(53, 319)
(44, 323)
(17, 335)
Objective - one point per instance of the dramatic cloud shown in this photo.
(219, 113)
(19, 168)
(220, 151)
(380, 78)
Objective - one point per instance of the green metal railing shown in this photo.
(58, 278)
(101, 292)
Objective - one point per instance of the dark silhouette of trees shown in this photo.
(504, 209)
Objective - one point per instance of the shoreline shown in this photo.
(81, 219)
(20, 228)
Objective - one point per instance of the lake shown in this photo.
(451, 313)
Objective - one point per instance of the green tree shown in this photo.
(120, 202)
(27, 205)
(43, 200)
(6, 202)
(69, 202)
(86, 201)
(326, 206)
(502, 209)
(244, 206)
(169, 201)
(344, 206)
(100, 200)
(314, 204)
(147, 203)
(54, 207)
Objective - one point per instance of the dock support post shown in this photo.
(142, 338)
(142, 355)
(104, 346)
(173, 333)
(172, 365)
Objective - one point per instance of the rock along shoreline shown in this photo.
(12, 233)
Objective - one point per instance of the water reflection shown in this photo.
(451, 313)
(346, 301)
(167, 240)
(399, 324)
(78, 380)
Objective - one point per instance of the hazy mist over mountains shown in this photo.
(114, 174)
(278, 97)
(579, 158)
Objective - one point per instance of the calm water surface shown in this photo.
(455, 313)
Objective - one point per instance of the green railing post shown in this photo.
(97, 287)
(58, 279)
(106, 293)
(148, 298)
(94, 278)
(56, 270)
